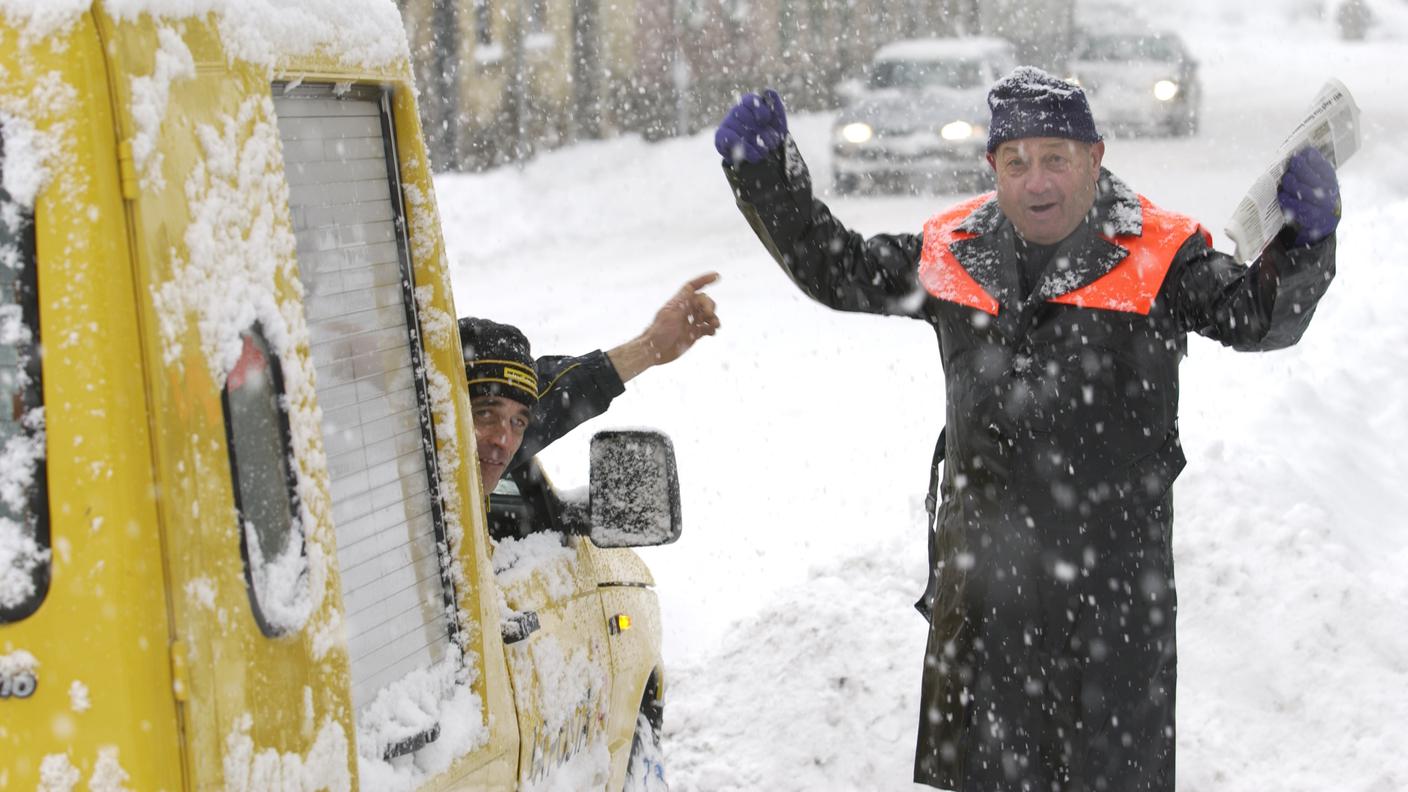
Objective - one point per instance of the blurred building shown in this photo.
(500, 79)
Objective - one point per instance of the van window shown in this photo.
(256, 428)
(520, 505)
(24, 517)
(358, 284)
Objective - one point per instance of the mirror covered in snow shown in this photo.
(635, 491)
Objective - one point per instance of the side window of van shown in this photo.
(24, 502)
(521, 504)
(256, 427)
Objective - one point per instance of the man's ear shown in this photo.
(992, 162)
(1097, 155)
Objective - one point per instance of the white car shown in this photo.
(918, 120)
(1138, 81)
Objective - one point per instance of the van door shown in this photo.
(293, 444)
(241, 496)
(562, 681)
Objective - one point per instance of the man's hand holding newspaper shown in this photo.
(1331, 127)
(1310, 197)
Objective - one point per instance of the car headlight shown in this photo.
(1165, 90)
(957, 130)
(857, 132)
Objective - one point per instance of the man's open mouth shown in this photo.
(1041, 208)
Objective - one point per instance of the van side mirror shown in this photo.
(635, 489)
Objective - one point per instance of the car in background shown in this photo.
(1138, 81)
(918, 120)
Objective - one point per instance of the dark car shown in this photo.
(918, 120)
(1138, 81)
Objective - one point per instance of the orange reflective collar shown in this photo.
(939, 270)
(1131, 286)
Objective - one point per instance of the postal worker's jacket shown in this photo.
(1051, 654)
(572, 390)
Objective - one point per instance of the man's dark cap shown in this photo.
(498, 361)
(1032, 103)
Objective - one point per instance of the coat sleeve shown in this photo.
(575, 389)
(1264, 306)
(829, 263)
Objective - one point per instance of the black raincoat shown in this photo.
(573, 390)
(1051, 660)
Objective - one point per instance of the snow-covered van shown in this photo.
(243, 544)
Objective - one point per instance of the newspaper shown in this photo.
(1331, 125)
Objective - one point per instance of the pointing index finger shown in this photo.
(700, 281)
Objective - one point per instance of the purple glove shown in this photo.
(753, 128)
(1310, 196)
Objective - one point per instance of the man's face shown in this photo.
(1046, 186)
(499, 424)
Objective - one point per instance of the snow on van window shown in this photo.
(149, 98)
(20, 554)
(25, 172)
(249, 768)
(363, 32)
(239, 254)
(438, 700)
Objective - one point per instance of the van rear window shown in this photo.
(24, 518)
(354, 264)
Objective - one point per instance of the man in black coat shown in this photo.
(1062, 305)
(521, 405)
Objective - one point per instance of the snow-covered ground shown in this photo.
(803, 437)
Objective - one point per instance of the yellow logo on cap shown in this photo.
(521, 377)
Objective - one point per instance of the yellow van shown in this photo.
(242, 540)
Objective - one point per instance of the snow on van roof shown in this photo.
(366, 32)
(933, 49)
(362, 32)
(37, 19)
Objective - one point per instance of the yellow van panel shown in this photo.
(103, 705)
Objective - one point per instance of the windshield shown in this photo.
(917, 75)
(1128, 47)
